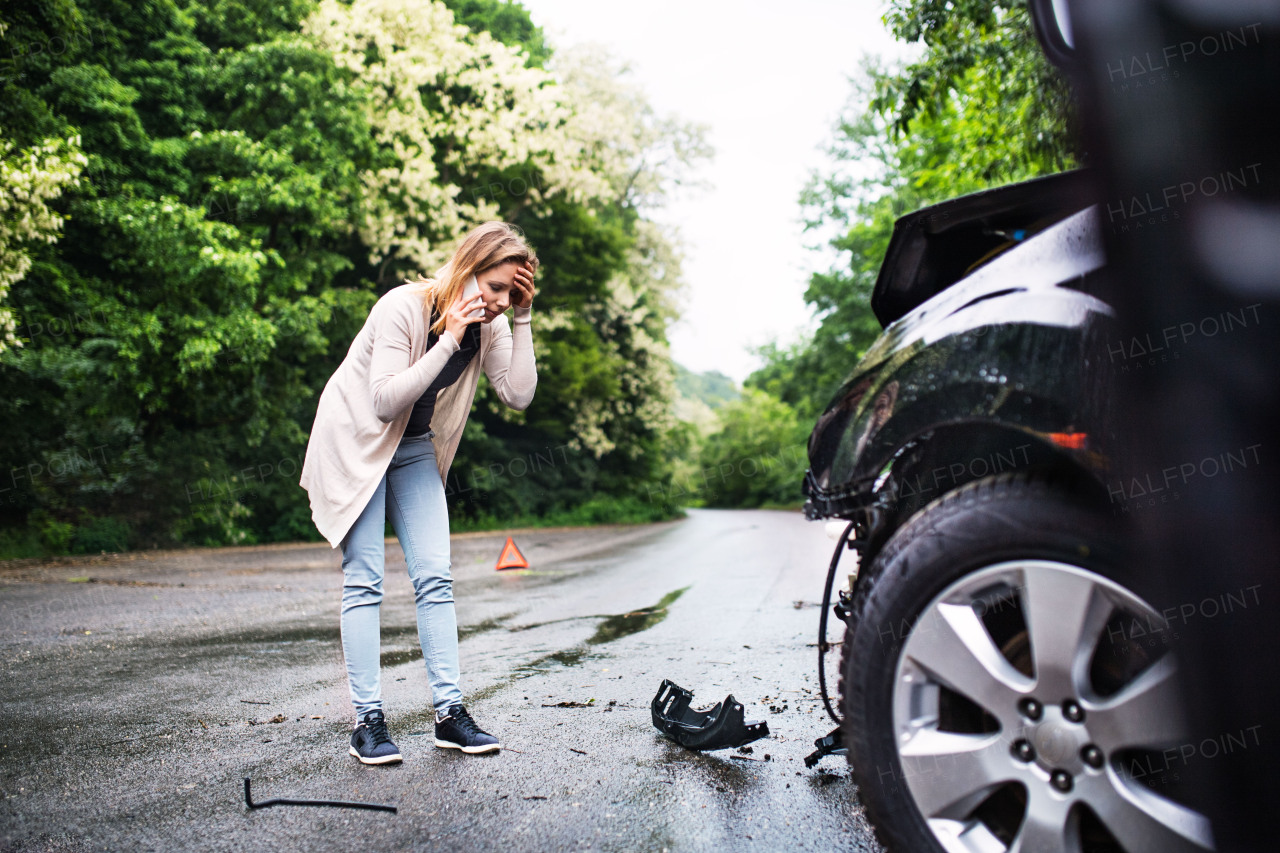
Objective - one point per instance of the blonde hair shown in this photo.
(484, 247)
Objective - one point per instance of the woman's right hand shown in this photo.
(456, 319)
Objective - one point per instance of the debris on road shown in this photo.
(342, 804)
(720, 727)
(590, 703)
(832, 744)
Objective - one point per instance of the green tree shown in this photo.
(508, 22)
(979, 107)
(176, 340)
(981, 56)
(29, 180)
(757, 456)
(257, 176)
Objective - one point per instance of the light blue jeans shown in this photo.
(411, 495)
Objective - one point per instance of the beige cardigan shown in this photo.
(366, 404)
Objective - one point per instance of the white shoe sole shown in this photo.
(382, 759)
(471, 750)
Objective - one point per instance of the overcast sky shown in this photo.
(769, 80)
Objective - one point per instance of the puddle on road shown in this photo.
(569, 657)
(395, 657)
(465, 631)
(626, 624)
(566, 657)
(611, 628)
(399, 656)
(258, 636)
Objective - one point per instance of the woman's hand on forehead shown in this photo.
(523, 290)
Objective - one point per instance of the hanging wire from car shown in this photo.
(823, 646)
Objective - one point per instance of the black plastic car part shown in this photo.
(933, 248)
(721, 727)
(282, 801)
(831, 744)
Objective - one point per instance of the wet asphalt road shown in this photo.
(139, 690)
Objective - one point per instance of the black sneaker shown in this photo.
(370, 742)
(456, 730)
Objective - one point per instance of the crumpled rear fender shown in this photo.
(1026, 358)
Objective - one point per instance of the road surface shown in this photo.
(140, 689)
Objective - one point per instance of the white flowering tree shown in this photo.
(474, 134)
(643, 156)
(241, 216)
(450, 106)
(29, 180)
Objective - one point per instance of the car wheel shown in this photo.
(1004, 690)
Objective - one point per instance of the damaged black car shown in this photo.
(1002, 683)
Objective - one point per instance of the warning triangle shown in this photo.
(511, 557)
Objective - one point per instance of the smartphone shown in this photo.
(470, 292)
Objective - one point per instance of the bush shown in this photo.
(757, 458)
(19, 544)
(100, 534)
(54, 535)
(597, 510)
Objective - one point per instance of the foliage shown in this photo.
(757, 457)
(712, 387)
(449, 107)
(255, 177)
(598, 510)
(978, 108)
(29, 180)
(698, 400)
(178, 335)
(983, 56)
(507, 22)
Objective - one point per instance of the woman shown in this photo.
(386, 429)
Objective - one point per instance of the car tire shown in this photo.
(1003, 689)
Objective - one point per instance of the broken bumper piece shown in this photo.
(832, 744)
(720, 727)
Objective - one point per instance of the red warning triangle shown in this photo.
(511, 557)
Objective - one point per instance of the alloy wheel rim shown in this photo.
(1051, 744)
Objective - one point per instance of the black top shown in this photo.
(424, 406)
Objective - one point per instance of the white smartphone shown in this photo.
(470, 292)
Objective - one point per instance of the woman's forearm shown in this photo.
(524, 370)
(510, 363)
(395, 383)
